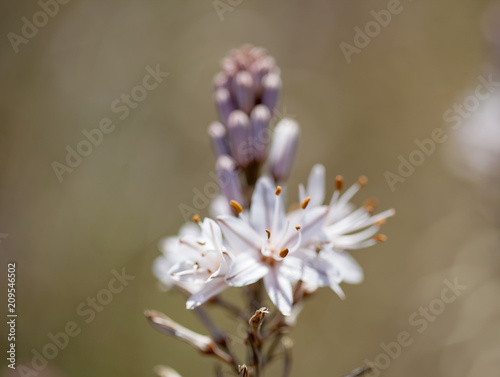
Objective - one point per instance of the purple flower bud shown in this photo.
(229, 182)
(244, 92)
(229, 66)
(239, 131)
(224, 103)
(260, 68)
(217, 133)
(284, 149)
(221, 81)
(260, 120)
(271, 90)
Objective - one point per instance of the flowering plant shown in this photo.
(251, 241)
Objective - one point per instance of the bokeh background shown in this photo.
(356, 118)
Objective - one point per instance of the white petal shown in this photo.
(219, 207)
(279, 290)
(246, 269)
(239, 234)
(302, 193)
(316, 185)
(295, 268)
(210, 230)
(311, 223)
(349, 269)
(209, 290)
(350, 239)
(263, 206)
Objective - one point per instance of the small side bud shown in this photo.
(256, 320)
(229, 182)
(217, 133)
(221, 81)
(260, 120)
(202, 343)
(244, 92)
(238, 130)
(164, 371)
(271, 95)
(284, 149)
(243, 371)
(168, 326)
(224, 104)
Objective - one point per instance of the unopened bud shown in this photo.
(200, 342)
(217, 133)
(164, 371)
(227, 176)
(260, 68)
(284, 149)
(260, 120)
(243, 371)
(221, 81)
(168, 326)
(256, 320)
(238, 130)
(271, 95)
(224, 104)
(244, 92)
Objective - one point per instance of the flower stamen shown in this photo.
(236, 206)
(305, 202)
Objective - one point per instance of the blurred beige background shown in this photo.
(356, 118)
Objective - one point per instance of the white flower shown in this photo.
(268, 244)
(345, 227)
(169, 247)
(201, 262)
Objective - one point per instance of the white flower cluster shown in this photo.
(252, 237)
(310, 245)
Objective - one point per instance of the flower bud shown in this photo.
(168, 326)
(284, 149)
(260, 68)
(227, 176)
(243, 91)
(260, 120)
(224, 104)
(271, 90)
(221, 81)
(202, 343)
(243, 371)
(217, 133)
(238, 130)
(164, 371)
